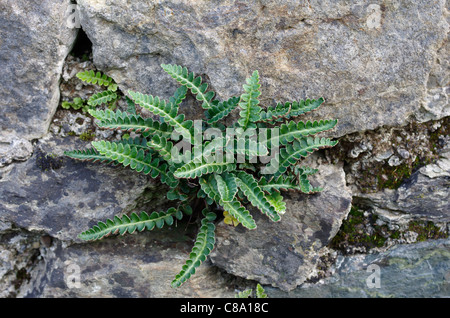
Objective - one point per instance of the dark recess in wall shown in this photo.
(83, 46)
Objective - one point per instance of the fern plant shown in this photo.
(228, 173)
(104, 97)
(108, 96)
(248, 293)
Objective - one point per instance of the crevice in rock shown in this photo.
(21, 254)
(82, 47)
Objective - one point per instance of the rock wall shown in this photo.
(35, 41)
(382, 67)
(384, 61)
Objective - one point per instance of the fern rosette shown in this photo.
(248, 164)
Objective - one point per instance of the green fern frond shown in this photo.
(260, 292)
(236, 209)
(136, 159)
(289, 109)
(292, 130)
(233, 207)
(167, 110)
(102, 98)
(195, 169)
(161, 145)
(282, 182)
(276, 200)
(226, 184)
(154, 104)
(182, 76)
(247, 183)
(90, 154)
(203, 246)
(220, 110)
(299, 148)
(250, 112)
(130, 224)
(108, 119)
(244, 294)
(93, 77)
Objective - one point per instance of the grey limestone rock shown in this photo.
(424, 195)
(375, 63)
(132, 266)
(35, 40)
(62, 197)
(18, 149)
(406, 271)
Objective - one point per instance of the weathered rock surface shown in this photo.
(18, 149)
(133, 266)
(19, 251)
(370, 60)
(285, 254)
(376, 63)
(136, 266)
(424, 195)
(386, 157)
(35, 40)
(63, 197)
(417, 270)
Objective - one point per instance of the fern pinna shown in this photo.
(252, 166)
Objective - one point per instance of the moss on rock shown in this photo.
(362, 231)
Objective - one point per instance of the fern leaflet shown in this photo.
(250, 112)
(203, 246)
(299, 148)
(90, 154)
(196, 169)
(276, 200)
(168, 111)
(226, 185)
(182, 76)
(260, 292)
(136, 159)
(131, 223)
(247, 183)
(97, 78)
(102, 98)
